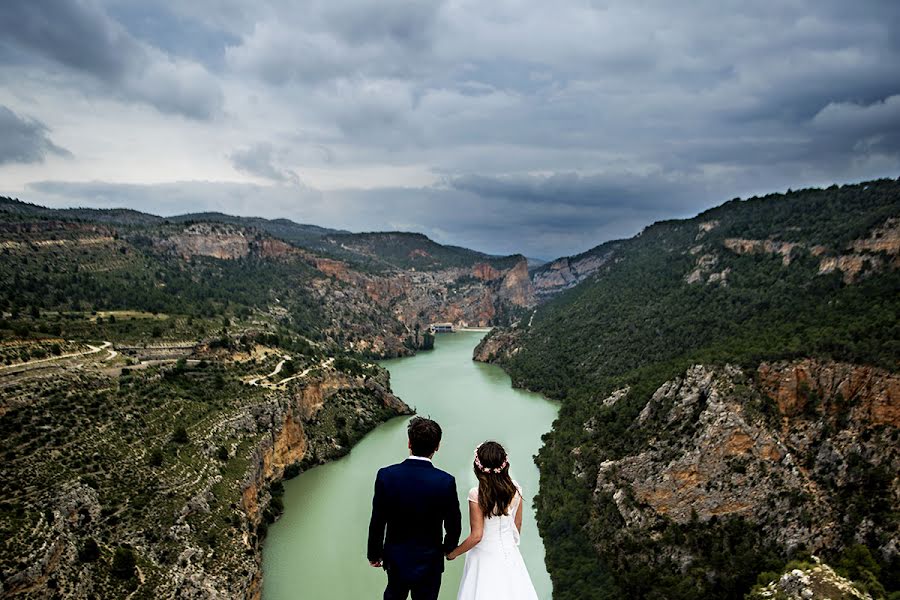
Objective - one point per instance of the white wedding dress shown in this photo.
(494, 568)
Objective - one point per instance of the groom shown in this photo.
(417, 503)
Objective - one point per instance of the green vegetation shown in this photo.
(639, 323)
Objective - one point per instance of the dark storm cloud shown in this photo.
(80, 35)
(637, 193)
(259, 160)
(24, 140)
(76, 34)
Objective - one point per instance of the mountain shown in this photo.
(285, 229)
(159, 378)
(407, 251)
(16, 209)
(731, 397)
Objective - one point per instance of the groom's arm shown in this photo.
(452, 519)
(377, 524)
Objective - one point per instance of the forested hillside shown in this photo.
(789, 306)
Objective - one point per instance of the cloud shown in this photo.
(508, 125)
(24, 140)
(875, 126)
(329, 40)
(79, 35)
(258, 160)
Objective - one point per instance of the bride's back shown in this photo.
(500, 530)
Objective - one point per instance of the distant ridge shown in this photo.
(374, 250)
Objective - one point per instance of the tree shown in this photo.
(156, 457)
(222, 453)
(123, 563)
(180, 436)
(89, 551)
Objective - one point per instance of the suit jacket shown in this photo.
(415, 519)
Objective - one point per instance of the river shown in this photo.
(317, 549)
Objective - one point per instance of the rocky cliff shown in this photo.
(480, 295)
(565, 273)
(786, 449)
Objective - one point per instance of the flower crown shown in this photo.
(484, 469)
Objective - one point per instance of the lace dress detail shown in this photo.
(494, 569)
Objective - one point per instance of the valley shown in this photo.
(728, 397)
(160, 378)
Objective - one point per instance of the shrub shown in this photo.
(89, 551)
(123, 563)
(180, 436)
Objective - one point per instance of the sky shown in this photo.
(508, 126)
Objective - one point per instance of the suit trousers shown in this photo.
(426, 588)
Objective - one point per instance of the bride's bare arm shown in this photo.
(476, 526)
(519, 514)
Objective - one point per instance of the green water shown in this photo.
(317, 549)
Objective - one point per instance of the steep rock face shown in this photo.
(783, 448)
(567, 272)
(485, 272)
(273, 248)
(478, 295)
(297, 441)
(497, 346)
(516, 287)
(217, 241)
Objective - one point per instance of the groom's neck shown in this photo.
(429, 457)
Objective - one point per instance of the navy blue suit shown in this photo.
(414, 505)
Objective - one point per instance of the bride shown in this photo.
(494, 568)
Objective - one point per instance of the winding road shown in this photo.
(93, 350)
(256, 380)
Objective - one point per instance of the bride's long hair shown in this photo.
(496, 489)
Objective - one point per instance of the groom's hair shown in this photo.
(424, 436)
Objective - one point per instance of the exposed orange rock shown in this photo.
(874, 394)
(744, 246)
(485, 272)
(739, 443)
(881, 239)
(516, 286)
(331, 267)
(273, 248)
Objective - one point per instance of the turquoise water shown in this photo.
(317, 549)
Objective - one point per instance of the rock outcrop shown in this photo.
(565, 273)
(783, 448)
(204, 239)
(809, 583)
(497, 346)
